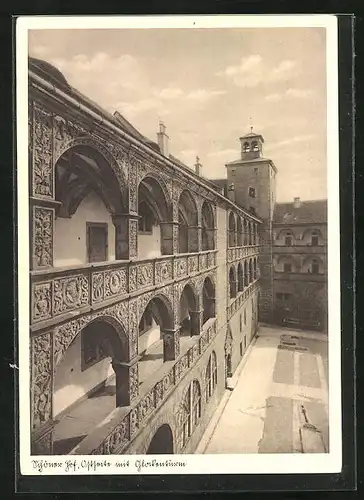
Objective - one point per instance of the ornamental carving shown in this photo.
(211, 259)
(118, 438)
(145, 275)
(134, 421)
(203, 261)
(97, 284)
(121, 156)
(70, 293)
(192, 264)
(133, 189)
(133, 282)
(163, 271)
(180, 267)
(181, 366)
(133, 232)
(134, 381)
(42, 153)
(43, 237)
(146, 406)
(133, 328)
(64, 133)
(42, 301)
(115, 282)
(41, 379)
(158, 393)
(168, 382)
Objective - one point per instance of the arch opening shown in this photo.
(188, 223)
(208, 298)
(188, 312)
(232, 230)
(162, 442)
(208, 227)
(232, 282)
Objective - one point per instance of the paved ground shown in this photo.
(280, 400)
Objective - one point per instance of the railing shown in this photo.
(116, 432)
(56, 292)
(281, 275)
(299, 249)
(241, 298)
(236, 253)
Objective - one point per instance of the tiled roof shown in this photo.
(252, 134)
(314, 211)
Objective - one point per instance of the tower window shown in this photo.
(287, 267)
(246, 147)
(288, 240)
(315, 267)
(252, 192)
(255, 146)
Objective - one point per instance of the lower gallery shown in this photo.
(147, 279)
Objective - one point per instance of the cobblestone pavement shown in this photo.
(280, 400)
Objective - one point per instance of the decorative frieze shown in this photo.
(145, 276)
(42, 301)
(108, 284)
(70, 293)
(180, 267)
(42, 237)
(192, 264)
(163, 271)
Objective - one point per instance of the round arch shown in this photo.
(208, 299)
(84, 164)
(208, 226)
(239, 232)
(162, 310)
(153, 187)
(240, 277)
(232, 230)
(162, 442)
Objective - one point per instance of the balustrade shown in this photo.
(58, 292)
(237, 302)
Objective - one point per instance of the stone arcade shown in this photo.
(145, 282)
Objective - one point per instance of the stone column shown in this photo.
(126, 236)
(127, 381)
(171, 345)
(196, 322)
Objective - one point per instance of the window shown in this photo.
(287, 267)
(97, 244)
(241, 323)
(244, 341)
(288, 240)
(244, 316)
(252, 210)
(252, 192)
(211, 376)
(255, 146)
(145, 224)
(314, 239)
(283, 296)
(189, 413)
(246, 147)
(315, 268)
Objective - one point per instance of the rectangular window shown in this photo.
(252, 192)
(314, 240)
(97, 245)
(252, 210)
(287, 267)
(244, 341)
(315, 268)
(241, 323)
(244, 316)
(241, 349)
(288, 241)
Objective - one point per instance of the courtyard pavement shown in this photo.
(280, 400)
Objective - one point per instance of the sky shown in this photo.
(209, 86)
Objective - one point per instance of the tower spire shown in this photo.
(250, 123)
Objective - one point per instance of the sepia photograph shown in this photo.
(179, 244)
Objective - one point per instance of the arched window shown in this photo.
(246, 147)
(250, 231)
(232, 230)
(240, 277)
(211, 376)
(315, 266)
(246, 239)
(208, 227)
(189, 413)
(255, 146)
(255, 269)
(208, 299)
(232, 282)
(239, 233)
(246, 274)
(314, 239)
(288, 239)
(251, 274)
(187, 218)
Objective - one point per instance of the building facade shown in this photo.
(144, 282)
(300, 264)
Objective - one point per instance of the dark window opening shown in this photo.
(288, 241)
(287, 267)
(314, 240)
(252, 192)
(252, 210)
(97, 244)
(315, 268)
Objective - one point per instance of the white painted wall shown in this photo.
(70, 243)
(71, 383)
(149, 245)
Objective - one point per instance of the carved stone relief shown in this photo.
(163, 271)
(70, 293)
(43, 237)
(133, 242)
(41, 348)
(42, 301)
(42, 153)
(145, 275)
(133, 328)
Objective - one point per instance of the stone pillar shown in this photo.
(42, 232)
(196, 322)
(126, 236)
(41, 393)
(127, 381)
(171, 345)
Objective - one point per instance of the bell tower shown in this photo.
(251, 184)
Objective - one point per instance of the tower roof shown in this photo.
(251, 135)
